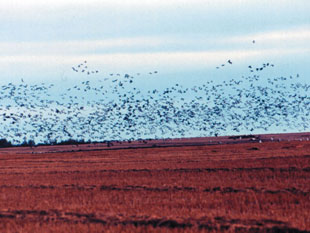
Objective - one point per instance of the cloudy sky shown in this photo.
(187, 39)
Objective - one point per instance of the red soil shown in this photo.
(192, 185)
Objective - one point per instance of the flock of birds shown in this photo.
(229, 62)
(117, 109)
(83, 68)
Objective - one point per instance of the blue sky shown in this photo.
(179, 38)
(183, 40)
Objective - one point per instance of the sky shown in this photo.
(183, 40)
(188, 42)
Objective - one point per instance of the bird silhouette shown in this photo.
(121, 108)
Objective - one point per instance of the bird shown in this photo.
(121, 108)
(82, 67)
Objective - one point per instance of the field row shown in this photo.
(227, 188)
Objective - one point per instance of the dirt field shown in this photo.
(230, 187)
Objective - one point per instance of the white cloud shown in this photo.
(77, 47)
(294, 35)
(163, 59)
(173, 54)
(282, 40)
(19, 4)
(121, 3)
(34, 5)
(142, 49)
(222, 3)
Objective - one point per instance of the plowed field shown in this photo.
(242, 187)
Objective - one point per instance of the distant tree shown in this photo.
(31, 143)
(5, 143)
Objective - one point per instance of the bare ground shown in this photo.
(247, 184)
